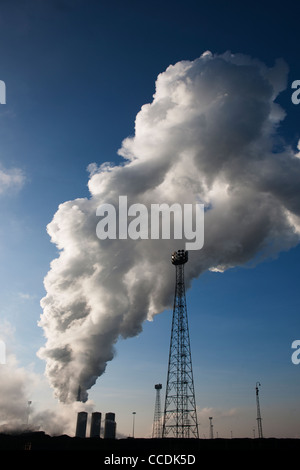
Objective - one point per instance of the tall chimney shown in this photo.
(81, 424)
(110, 426)
(95, 424)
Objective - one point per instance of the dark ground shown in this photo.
(142, 448)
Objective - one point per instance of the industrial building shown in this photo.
(110, 426)
(95, 426)
(81, 424)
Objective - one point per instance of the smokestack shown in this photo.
(95, 424)
(81, 424)
(79, 393)
(110, 426)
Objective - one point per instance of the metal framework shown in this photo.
(259, 425)
(157, 424)
(180, 416)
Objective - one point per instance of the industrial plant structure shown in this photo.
(180, 416)
(110, 426)
(81, 424)
(95, 424)
(95, 428)
(157, 424)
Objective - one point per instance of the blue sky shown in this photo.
(76, 76)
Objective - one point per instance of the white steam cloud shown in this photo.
(18, 413)
(11, 179)
(210, 136)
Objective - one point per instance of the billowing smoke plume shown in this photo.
(210, 135)
(18, 412)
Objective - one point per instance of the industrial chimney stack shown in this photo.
(110, 426)
(81, 424)
(95, 424)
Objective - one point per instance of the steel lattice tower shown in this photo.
(180, 417)
(156, 432)
(259, 425)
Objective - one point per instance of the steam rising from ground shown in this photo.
(209, 136)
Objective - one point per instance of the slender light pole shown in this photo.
(133, 419)
(211, 428)
(259, 426)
